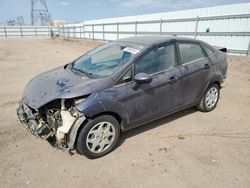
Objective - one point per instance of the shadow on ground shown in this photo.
(151, 125)
(154, 124)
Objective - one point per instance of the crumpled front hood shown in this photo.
(58, 83)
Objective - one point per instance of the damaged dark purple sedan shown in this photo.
(86, 105)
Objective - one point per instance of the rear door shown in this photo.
(195, 71)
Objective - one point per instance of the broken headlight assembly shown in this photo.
(79, 100)
(69, 117)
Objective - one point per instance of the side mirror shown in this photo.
(143, 78)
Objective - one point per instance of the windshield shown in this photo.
(106, 59)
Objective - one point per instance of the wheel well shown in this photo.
(218, 83)
(115, 115)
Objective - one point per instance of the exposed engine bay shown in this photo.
(57, 122)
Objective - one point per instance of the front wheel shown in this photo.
(98, 137)
(209, 99)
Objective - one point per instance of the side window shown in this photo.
(208, 50)
(127, 77)
(190, 52)
(157, 60)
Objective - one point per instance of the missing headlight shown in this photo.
(79, 100)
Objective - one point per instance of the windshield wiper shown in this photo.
(89, 74)
(81, 71)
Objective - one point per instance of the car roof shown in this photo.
(150, 40)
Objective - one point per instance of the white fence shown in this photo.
(27, 31)
(236, 39)
(227, 26)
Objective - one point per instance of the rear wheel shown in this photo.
(209, 99)
(98, 137)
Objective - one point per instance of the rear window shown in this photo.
(190, 52)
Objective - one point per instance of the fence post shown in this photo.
(117, 27)
(59, 31)
(248, 51)
(80, 32)
(74, 31)
(35, 32)
(5, 32)
(93, 37)
(136, 28)
(21, 31)
(83, 26)
(161, 26)
(196, 27)
(103, 32)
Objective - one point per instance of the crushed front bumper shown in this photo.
(26, 117)
(31, 122)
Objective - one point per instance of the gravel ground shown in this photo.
(186, 149)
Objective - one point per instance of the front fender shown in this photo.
(91, 106)
(113, 106)
(97, 104)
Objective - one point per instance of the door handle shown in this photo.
(207, 66)
(172, 79)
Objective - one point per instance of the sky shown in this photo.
(79, 10)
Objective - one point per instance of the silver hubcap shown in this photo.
(211, 97)
(100, 137)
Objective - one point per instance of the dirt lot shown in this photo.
(187, 149)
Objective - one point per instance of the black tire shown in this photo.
(203, 106)
(81, 144)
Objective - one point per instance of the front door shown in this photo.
(144, 102)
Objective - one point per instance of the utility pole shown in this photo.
(20, 21)
(39, 12)
(32, 12)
